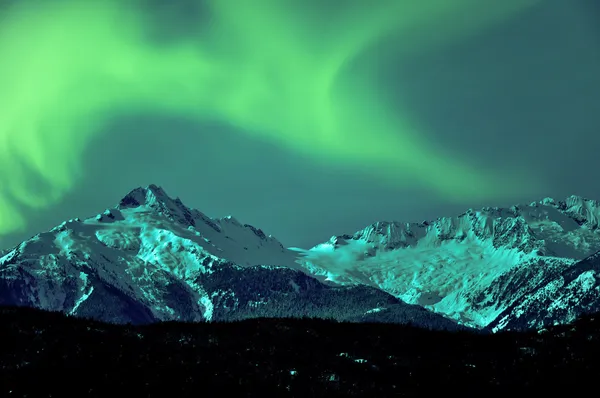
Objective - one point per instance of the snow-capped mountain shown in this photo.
(473, 267)
(151, 258)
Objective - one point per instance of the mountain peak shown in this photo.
(155, 198)
(144, 196)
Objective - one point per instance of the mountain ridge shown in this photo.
(462, 266)
(152, 258)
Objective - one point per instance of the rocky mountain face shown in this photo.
(560, 298)
(151, 258)
(480, 266)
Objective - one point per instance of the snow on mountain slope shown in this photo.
(159, 219)
(471, 267)
(561, 298)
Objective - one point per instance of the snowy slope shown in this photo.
(561, 298)
(151, 258)
(157, 219)
(471, 267)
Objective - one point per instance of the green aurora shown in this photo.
(280, 70)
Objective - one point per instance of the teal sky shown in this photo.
(304, 119)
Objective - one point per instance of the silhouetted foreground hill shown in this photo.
(49, 354)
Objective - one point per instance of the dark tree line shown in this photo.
(49, 354)
(251, 292)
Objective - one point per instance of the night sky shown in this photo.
(304, 118)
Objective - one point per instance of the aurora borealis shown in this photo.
(299, 75)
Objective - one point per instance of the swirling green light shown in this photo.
(276, 69)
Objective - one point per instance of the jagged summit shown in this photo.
(513, 225)
(156, 198)
(150, 195)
